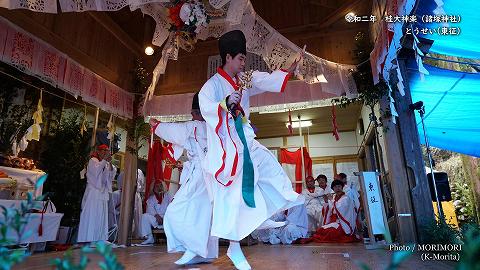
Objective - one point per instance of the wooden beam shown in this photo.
(339, 13)
(321, 3)
(209, 47)
(182, 88)
(107, 22)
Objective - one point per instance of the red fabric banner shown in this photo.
(167, 157)
(288, 157)
(74, 78)
(154, 168)
(49, 64)
(18, 51)
(93, 88)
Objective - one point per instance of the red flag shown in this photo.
(334, 123)
(154, 168)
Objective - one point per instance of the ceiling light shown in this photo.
(149, 50)
(296, 124)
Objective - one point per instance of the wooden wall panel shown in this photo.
(82, 38)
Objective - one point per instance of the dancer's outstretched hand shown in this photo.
(294, 65)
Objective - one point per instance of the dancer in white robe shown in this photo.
(154, 215)
(248, 183)
(94, 216)
(188, 219)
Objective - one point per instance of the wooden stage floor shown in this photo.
(313, 256)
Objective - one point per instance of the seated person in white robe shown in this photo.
(324, 192)
(313, 203)
(153, 217)
(340, 221)
(296, 227)
(94, 216)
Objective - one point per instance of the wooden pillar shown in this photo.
(95, 126)
(417, 178)
(128, 195)
(397, 173)
(470, 167)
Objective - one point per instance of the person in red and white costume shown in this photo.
(350, 189)
(268, 189)
(340, 218)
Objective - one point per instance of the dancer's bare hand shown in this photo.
(234, 98)
(294, 65)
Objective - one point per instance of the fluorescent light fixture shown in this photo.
(149, 50)
(296, 124)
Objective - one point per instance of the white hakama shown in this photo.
(188, 218)
(296, 227)
(314, 203)
(272, 189)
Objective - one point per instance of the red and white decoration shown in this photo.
(37, 58)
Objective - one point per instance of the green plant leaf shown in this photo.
(399, 256)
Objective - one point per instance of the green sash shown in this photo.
(248, 175)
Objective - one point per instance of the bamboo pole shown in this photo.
(301, 150)
(95, 126)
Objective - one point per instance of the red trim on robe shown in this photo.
(155, 127)
(325, 213)
(227, 77)
(340, 215)
(221, 144)
(195, 133)
(284, 84)
(235, 160)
